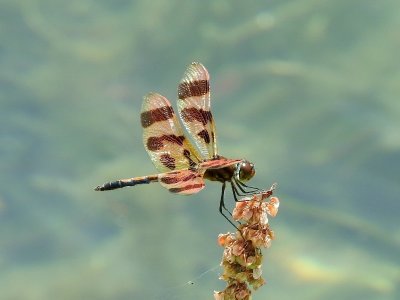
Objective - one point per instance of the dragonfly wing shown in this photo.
(163, 136)
(194, 109)
(184, 182)
(219, 163)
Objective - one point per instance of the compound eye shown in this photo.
(246, 171)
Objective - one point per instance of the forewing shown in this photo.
(219, 163)
(184, 182)
(163, 137)
(194, 109)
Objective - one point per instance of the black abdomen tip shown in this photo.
(109, 186)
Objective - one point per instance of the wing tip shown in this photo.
(151, 94)
(196, 64)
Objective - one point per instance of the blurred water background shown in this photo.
(308, 90)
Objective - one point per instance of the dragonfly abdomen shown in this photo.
(117, 184)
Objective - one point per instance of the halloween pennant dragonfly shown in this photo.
(183, 166)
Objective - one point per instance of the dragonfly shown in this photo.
(185, 163)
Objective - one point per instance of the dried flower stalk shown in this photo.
(242, 256)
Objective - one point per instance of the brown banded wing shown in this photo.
(219, 163)
(163, 137)
(184, 182)
(194, 109)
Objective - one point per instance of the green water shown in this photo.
(308, 90)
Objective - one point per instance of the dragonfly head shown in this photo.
(245, 171)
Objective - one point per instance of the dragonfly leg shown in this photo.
(222, 207)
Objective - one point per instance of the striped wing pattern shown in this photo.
(163, 137)
(182, 166)
(184, 182)
(219, 163)
(194, 109)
